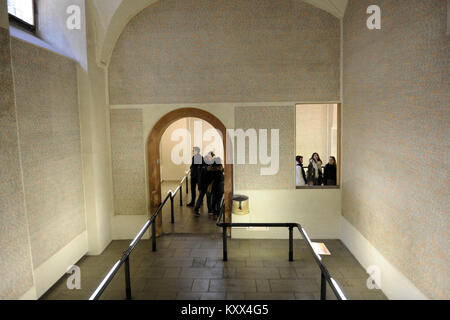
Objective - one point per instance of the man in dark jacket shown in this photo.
(218, 185)
(196, 166)
(203, 184)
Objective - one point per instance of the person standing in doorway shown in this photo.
(300, 172)
(315, 170)
(218, 185)
(330, 173)
(203, 184)
(196, 166)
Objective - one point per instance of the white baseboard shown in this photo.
(127, 227)
(48, 273)
(394, 284)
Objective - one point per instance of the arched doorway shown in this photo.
(153, 162)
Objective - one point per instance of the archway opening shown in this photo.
(155, 155)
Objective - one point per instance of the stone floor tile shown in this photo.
(262, 285)
(200, 285)
(299, 285)
(270, 296)
(257, 273)
(232, 285)
(202, 273)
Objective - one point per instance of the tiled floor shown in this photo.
(185, 221)
(189, 266)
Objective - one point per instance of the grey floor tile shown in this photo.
(257, 273)
(213, 296)
(270, 296)
(200, 285)
(299, 285)
(262, 285)
(304, 296)
(232, 285)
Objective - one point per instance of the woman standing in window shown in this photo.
(315, 170)
(329, 176)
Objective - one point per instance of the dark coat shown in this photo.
(196, 166)
(218, 179)
(329, 176)
(205, 178)
(312, 174)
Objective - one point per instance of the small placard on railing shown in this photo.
(320, 248)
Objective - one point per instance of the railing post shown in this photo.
(224, 213)
(172, 215)
(181, 195)
(323, 287)
(187, 183)
(225, 252)
(127, 278)
(153, 236)
(291, 243)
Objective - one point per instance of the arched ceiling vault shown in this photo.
(114, 15)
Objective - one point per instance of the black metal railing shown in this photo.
(325, 275)
(125, 259)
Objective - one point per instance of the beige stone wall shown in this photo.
(49, 132)
(15, 258)
(396, 136)
(128, 162)
(4, 14)
(248, 176)
(227, 51)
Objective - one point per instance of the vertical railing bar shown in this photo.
(172, 214)
(127, 279)
(187, 183)
(181, 195)
(154, 236)
(291, 243)
(225, 251)
(323, 287)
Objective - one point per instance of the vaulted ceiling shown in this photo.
(113, 15)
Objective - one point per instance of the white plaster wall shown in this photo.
(53, 30)
(96, 150)
(318, 211)
(48, 273)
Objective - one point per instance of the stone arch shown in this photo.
(153, 156)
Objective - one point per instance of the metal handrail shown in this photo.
(325, 275)
(125, 259)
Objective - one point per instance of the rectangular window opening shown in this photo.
(318, 132)
(22, 13)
